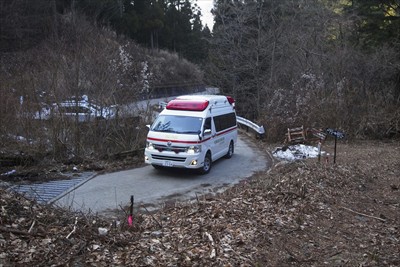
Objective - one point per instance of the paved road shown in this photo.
(109, 192)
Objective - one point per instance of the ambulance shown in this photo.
(192, 132)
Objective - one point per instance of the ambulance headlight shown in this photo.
(193, 149)
(149, 145)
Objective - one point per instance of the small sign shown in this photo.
(336, 133)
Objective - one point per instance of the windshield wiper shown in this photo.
(190, 132)
(164, 130)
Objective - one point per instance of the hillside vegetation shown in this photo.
(329, 64)
(83, 62)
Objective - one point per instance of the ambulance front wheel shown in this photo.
(207, 164)
(231, 150)
(157, 167)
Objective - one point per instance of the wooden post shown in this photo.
(334, 156)
(319, 150)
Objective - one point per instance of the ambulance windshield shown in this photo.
(177, 124)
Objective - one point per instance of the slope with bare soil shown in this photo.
(302, 213)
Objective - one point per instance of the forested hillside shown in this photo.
(288, 63)
(58, 51)
(173, 25)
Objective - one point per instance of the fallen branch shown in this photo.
(148, 212)
(213, 252)
(73, 230)
(33, 224)
(365, 215)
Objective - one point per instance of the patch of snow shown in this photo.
(20, 138)
(296, 152)
(8, 173)
(86, 109)
(17, 137)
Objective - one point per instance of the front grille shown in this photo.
(162, 157)
(176, 149)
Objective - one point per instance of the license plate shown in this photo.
(167, 164)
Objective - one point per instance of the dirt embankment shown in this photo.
(303, 213)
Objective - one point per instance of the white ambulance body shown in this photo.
(192, 132)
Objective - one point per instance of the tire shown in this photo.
(207, 164)
(231, 150)
(157, 167)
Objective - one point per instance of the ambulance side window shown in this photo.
(207, 124)
(225, 121)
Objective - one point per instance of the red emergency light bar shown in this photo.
(230, 100)
(189, 105)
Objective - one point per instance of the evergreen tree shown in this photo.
(378, 22)
(152, 21)
(178, 25)
(24, 24)
(196, 48)
(167, 24)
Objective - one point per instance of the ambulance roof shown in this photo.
(199, 103)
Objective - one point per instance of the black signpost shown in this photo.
(338, 135)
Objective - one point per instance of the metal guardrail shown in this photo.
(259, 129)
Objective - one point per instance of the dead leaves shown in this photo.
(292, 215)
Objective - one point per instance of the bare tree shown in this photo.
(292, 62)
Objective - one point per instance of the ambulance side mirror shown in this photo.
(207, 132)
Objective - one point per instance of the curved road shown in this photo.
(107, 193)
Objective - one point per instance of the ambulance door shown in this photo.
(210, 128)
(219, 140)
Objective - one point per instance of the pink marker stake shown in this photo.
(130, 217)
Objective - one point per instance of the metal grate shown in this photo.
(45, 192)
